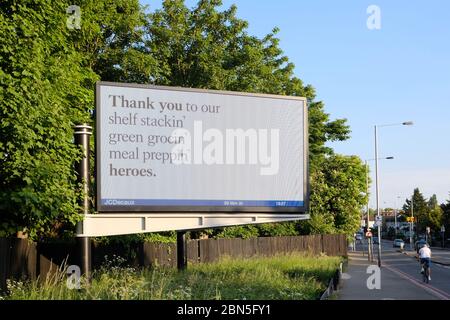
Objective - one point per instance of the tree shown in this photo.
(433, 202)
(337, 195)
(205, 48)
(47, 76)
(419, 208)
(111, 40)
(434, 216)
(43, 92)
(446, 215)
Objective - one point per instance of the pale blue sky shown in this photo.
(398, 73)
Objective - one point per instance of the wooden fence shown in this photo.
(21, 259)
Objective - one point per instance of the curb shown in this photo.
(334, 284)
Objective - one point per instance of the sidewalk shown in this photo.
(393, 286)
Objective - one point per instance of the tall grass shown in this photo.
(287, 277)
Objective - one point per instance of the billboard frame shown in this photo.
(104, 209)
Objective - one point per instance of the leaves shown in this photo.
(426, 213)
(47, 76)
(337, 195)
(42, 85)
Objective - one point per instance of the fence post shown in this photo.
(181, 250)
(82, 136)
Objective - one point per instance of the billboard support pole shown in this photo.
(81, 136)
(181, 250)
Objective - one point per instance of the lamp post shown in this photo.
(368, 209)
(408, 123)
(411, 224)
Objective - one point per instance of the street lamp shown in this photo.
(407, 123)
(411, 224)
(368, 209)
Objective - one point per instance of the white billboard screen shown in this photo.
(162, 149)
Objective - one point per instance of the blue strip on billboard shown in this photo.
(212, 203)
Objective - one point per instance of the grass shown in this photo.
(287, 277)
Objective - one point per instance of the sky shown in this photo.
(400, 72)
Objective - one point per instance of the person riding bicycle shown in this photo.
(425, 258)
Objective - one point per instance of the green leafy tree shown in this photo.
(282, 229)
(446, 215)
(47, 74)
(111, 40)
(43, 93)
(206, 48)
(435, 215)
(337, 196)
(244, 232)
(419, 206)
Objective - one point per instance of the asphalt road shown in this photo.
(395, 261)
(400, 276)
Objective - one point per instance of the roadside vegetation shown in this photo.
(284, 277)
(47, 83)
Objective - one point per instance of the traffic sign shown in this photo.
(443, 229)
(379, 218)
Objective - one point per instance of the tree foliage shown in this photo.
(445, 207)
(47, 74)
(43, 93)
(426, 213)
(111, 40)
(336, 195)
(435, 214)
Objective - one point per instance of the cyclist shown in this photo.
(425, 258)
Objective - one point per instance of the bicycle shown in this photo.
(425, 271)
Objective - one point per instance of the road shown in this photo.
(400, 276)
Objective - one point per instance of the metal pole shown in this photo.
(82, 136)
(395, 218)
(369, 242)
(395, 221)
(378, 195)
(181, 250)
(411, 224)
(412, 215)
(367, 192)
